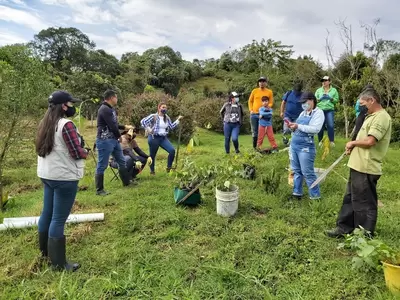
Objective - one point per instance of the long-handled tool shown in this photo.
(327, 171)
(177, 148)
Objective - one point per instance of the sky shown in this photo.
(200, 29)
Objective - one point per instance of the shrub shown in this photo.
(135, 109)
(206, 114)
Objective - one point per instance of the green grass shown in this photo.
(147, 248)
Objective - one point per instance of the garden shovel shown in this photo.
(327, 171)
(177, 148)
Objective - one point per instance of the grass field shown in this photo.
(147, 248)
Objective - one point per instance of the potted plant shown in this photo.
(226, 190)
(374, 255)
(188, 181)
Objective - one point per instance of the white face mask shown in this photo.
(305, 106)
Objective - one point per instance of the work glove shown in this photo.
(138, 165)
(149, 161)
(128, 127)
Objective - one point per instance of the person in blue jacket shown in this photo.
(302, 146)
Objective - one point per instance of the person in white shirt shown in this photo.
(157, 127)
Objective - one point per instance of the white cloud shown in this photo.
(22, 17)
(207, 28)
(7, 38)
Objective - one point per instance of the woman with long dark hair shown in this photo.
(61, 154)
(157, 127)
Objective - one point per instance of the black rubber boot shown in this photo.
(43, 239)
(254, 142)
(125, 176)
(56, 247)
(99, 181)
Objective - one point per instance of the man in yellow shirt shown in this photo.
(360, 203)
(255, 103)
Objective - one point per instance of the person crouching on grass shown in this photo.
(135, 163)
(157, 127)
(60, 167)
(265, 125)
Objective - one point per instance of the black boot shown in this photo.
(99, 181)
(56, 247)
(43, 239)
(254, 142)
(125, 176)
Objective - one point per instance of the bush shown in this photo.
(134, 110)
(206, 114)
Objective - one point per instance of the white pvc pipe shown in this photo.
(33, 221)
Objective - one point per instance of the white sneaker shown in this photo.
(332, 144)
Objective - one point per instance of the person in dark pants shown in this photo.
(327, 97)
(360, 202)
(107, 141)
(232, 115)
(61, 155)
(157, 127)
(135, 157)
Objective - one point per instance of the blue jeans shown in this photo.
(231, 130)
(105, 148)
(302, 159)
(59, 196)
(254, 122)
(163, 142)
(329, 123)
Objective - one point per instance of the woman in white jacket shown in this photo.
(61, 154)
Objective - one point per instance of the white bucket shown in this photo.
(227, 202)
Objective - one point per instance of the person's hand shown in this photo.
(260, 117)
(281, 115)
(293, 126)
(138, 165)
(127, 127)
(149, 161)
(349, 147)
(251, 112)
(180, 117)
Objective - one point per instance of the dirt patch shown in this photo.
(26, 188)
(79, 231)
(77, 207)
(259, 211)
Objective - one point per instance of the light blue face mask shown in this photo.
(236, 99)
(305, 106)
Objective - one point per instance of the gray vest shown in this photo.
(59, 165)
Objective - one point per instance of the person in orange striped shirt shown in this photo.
(255, 103)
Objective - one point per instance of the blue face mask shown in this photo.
(236, 99)
(164, 111)
(305, 106)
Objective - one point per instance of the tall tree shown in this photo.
(66, 49)
(24, 89)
